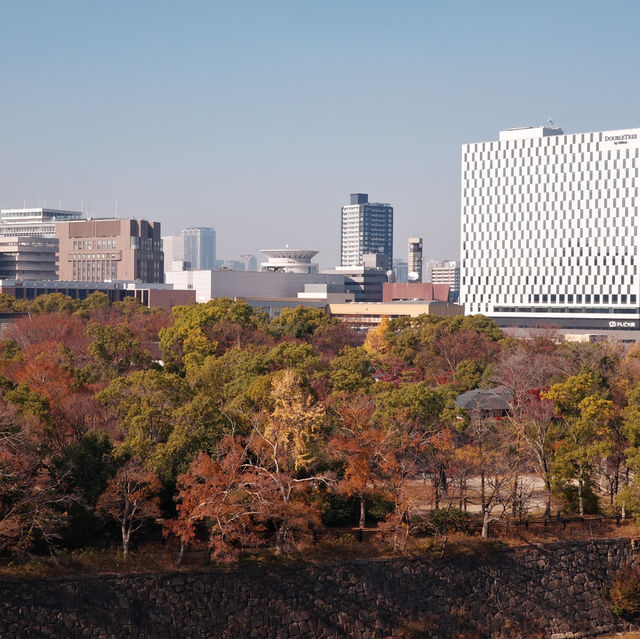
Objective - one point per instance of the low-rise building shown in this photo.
(28, 258)
(364, 315)
(161, 295)
(249, 284)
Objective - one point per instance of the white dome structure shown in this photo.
(288, 260)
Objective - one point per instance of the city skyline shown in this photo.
(258, 119)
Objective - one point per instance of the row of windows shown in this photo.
(559, 144)
(88, 245)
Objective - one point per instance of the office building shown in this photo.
(173, 249)
(415, 259)
(367, 227)
(446, 272)
(366, 281)
(364, 315)
(550, 228)
(250, 262)
(38, 222)
(400, 271)
(110, 249)
(28, 258)
(199, 247)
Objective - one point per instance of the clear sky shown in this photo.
(259, 118)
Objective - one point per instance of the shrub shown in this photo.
(450, 519)
(339, 510)
(568, 497)
(625, 594)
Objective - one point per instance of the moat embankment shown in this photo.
(543, 591)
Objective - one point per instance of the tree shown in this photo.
(541, 435)
(29, 497)
(283, 448)
(131, 497)
(215, 491)
(363, 448)
(115, 349)
(587, 417)
(377, 341)
(351, 371)
(425, 415)
(145, 403)
(300, 322)
(490, 451)
(188, 335)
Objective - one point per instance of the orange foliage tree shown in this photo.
(364, 448)
(215, 492)
(131, 497)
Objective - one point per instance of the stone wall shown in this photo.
(542, 591)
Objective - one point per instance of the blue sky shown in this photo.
(260, 117)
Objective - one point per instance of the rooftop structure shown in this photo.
(34, 222)
(288, 260)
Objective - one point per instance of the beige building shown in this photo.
(101, 250)
(363, 315)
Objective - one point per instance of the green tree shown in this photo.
(188, 336)
(115, 349)
(352, 371)
(300, 322)
(587, 416)
(146, 403)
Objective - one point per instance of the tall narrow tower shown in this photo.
(415, 258)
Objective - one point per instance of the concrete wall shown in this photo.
(548, 591)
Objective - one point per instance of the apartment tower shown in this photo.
(367, 227)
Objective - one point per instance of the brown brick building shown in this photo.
(99, 250)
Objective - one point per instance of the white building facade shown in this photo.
(550, 228)
(39, 222)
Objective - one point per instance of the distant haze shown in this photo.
(260, 118)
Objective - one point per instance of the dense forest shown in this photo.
(226, 429)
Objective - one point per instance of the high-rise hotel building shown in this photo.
(550, 228)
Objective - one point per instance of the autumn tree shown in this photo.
(363, 447)
(131, 497)
(284, 446)
(29, 498)
(215, 491)
(491, 451)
